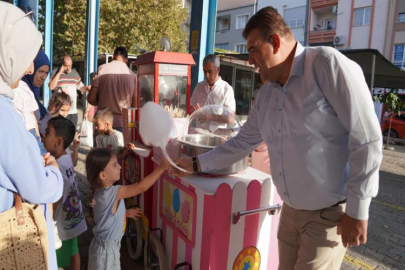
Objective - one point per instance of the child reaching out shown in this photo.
(68, 211)
(103, 170)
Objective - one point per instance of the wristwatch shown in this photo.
(195, 165)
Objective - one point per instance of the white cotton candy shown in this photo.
(155, 127)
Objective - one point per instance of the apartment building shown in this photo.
(232, 17)
(356, 24)
(396, 37)
(293, 12)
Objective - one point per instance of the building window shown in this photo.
(401, 17)
(295, 24)
(362, 16)
(241, 21)
(223, 23)
(300, 23)
(240, 48)
(223, 46)
(399, 55)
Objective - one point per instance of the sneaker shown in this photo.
(58, 242)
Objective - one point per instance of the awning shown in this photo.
(386, 74)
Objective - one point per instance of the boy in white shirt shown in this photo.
(107, 136)
(69, 212)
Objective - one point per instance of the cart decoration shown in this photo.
(178, 208)
(247, 259)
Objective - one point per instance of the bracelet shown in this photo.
(195, 166)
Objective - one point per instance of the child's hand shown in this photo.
(130, 146)
(76, 140)
(134, 213)
(164, 164)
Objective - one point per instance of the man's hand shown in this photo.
(62, 70)
(185, 163)
(134, 213)
(50, 160)
(84, 89)
(353, 231)
(204, 118)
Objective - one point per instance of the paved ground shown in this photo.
(385, 248)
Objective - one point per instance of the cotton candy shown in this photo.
(155, 128)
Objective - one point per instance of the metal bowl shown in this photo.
(195, 144)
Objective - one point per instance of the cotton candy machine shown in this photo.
(208, 127)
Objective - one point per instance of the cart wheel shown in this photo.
(133, 235)
(157, 255)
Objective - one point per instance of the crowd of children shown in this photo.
(56, 135)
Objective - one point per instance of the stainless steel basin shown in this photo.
(196, 144)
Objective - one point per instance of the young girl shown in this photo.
(59, 104)
(110, 215)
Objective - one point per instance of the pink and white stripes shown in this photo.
(217, 241)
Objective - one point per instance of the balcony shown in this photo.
(322, 25)
(315, 4)
(321, 36)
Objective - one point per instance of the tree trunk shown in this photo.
(389, 130)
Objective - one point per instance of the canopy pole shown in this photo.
(372, 76)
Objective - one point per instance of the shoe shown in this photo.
(58, 242)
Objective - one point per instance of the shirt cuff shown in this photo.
(357, 208)
(205, 162)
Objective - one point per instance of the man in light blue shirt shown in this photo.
(317, 118)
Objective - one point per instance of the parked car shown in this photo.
(397, 126)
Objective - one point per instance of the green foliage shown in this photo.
(122, 23)
(391, 100)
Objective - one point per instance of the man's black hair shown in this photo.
(121, 51)
(63, 128)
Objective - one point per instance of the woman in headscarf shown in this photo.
(22, 168)
(37, 79)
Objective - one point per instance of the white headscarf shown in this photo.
(19, 44)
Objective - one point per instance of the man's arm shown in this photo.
(345, 88)
(134, 100)
(230, 101)
(193, 98)
(53, 82)
(92, 97)
(134, 95)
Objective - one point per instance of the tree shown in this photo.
(122, 23)
(392, 102)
